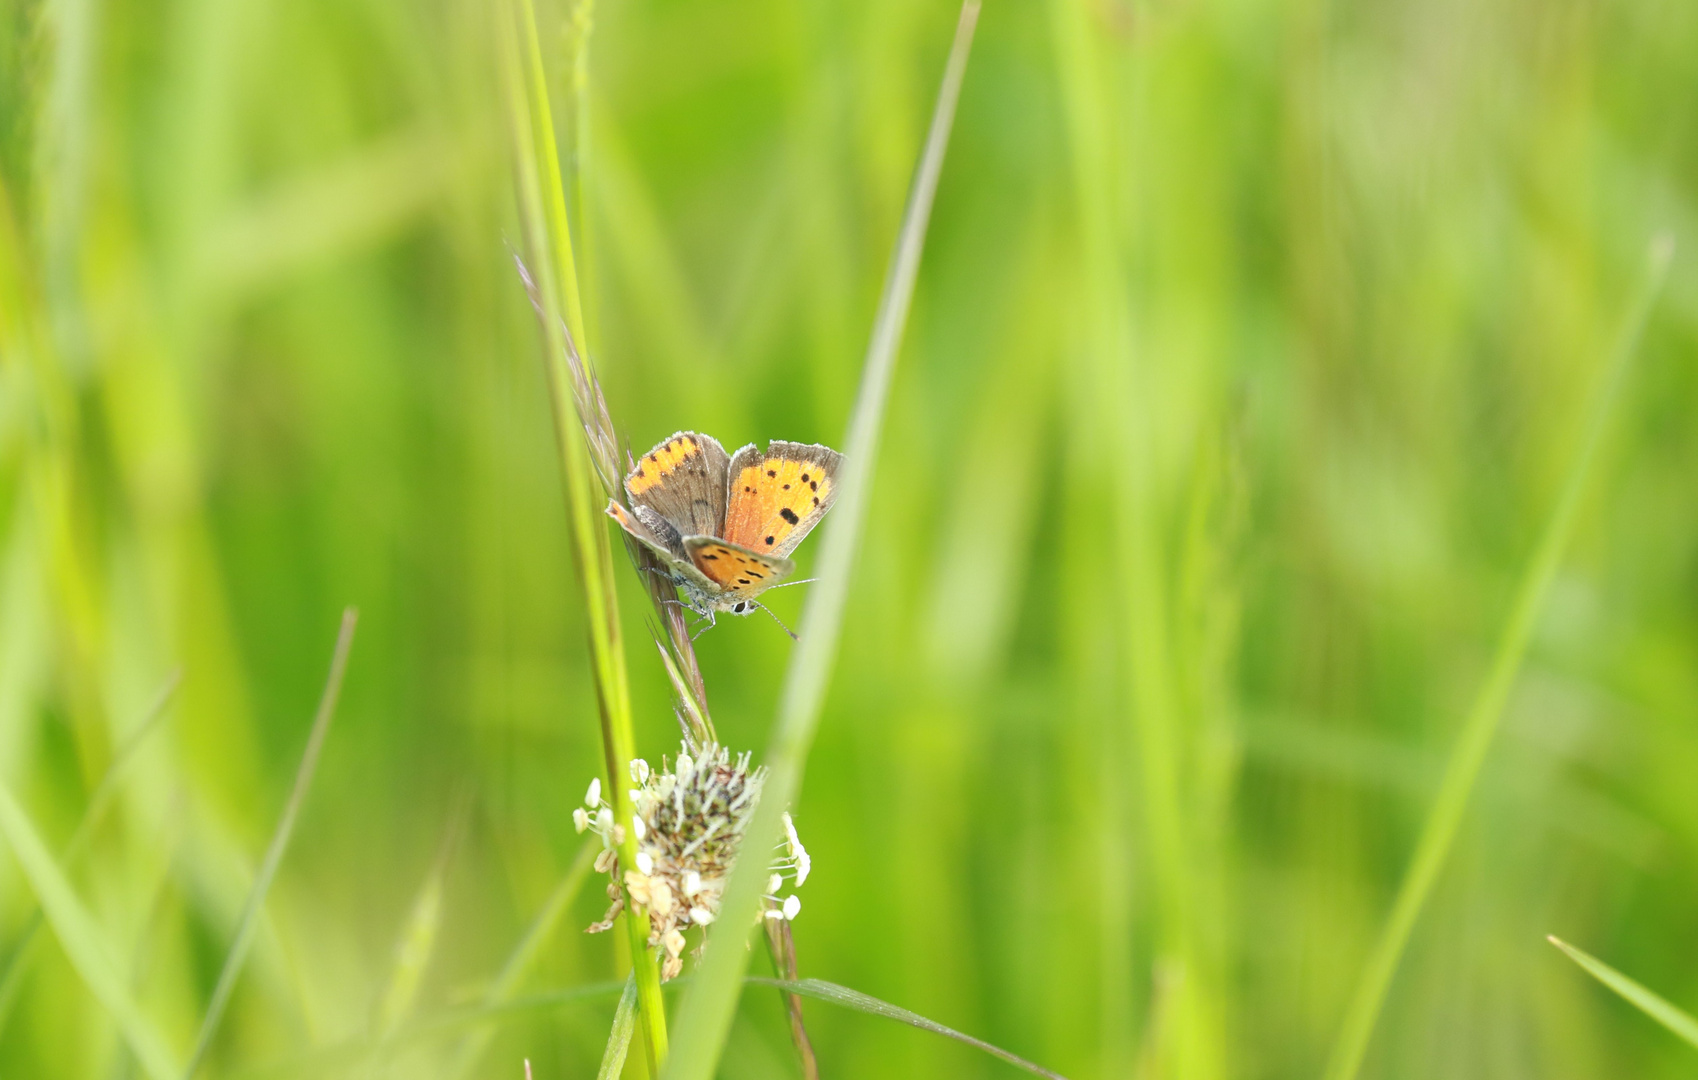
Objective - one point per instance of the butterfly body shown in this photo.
(723, 524)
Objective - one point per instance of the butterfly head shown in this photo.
(706, 603)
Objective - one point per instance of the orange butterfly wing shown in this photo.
(777, 497)
(737, 571)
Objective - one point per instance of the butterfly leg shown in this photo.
(707, 625)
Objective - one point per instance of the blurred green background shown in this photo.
(263, 355)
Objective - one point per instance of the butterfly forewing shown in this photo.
(735, 569)
(683, 479)
(776, 497)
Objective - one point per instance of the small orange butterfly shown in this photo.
(721, 523)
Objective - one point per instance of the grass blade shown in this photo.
(419, 933)
(1647, 1002)
(706, 1013)
(619, 1038)
(248, 924)
(542, 204)
(17, 966)
(1469, 756)
(525, 952)
(81, 939)
(820, 990)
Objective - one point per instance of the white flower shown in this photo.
(580, 819)
(797, 852)
(592, 797)
(691, 814)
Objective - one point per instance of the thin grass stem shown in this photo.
(18, 964)
(524, 954)
(248, 924)
(1475, 740)
(542, 199)
(1646, 1001)
(80, 937)
(706, 1012)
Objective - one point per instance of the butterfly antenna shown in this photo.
(778, 620)
(787, 584)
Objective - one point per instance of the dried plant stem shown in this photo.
(781, 945)
(542, 202)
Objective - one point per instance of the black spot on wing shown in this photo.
(789, 515)
(769, 541)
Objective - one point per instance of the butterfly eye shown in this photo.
(738, 607)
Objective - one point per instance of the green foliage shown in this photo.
(1252, 346)
(1677, 1021)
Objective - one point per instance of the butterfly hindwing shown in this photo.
(734, 569)
(775, 498)
(657, 534)
(683, 480)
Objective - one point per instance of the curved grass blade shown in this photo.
(17, 966)
(1469, 756)
(1647, 1002)
(820, 990)
(706, 1012)
(619, 1038)
(248, 924)
(80, 937)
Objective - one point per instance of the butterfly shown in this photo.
(722, 523)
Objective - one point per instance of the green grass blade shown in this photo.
(420, 932)
(542, 201)
(81, 940)
(706, 1013)
(619, 1038)
(1469, 756)
(17, 965)
(820, 990)
(248, 924)
(1647, 1002)
(524, 954)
